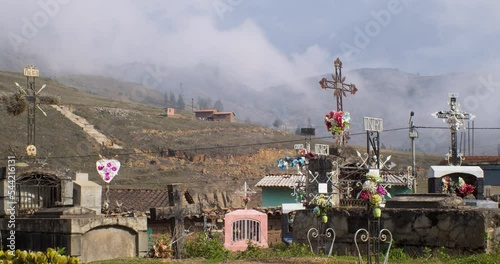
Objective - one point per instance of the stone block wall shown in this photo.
(89, 238)
(463, 230)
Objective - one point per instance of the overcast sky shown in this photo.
(260, 42)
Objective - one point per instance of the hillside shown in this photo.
(386, 93)
(212, 157)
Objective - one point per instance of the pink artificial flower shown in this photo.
(365, 195)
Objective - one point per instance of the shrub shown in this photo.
(253, 251)
(398, 254)
(205, 247)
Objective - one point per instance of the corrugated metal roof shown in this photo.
(395, 179)
(288, 180)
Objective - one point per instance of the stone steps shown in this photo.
(87, 127)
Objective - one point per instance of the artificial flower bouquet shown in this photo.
(460, 188)
(337, 122)
(374, 192)
(246, 200)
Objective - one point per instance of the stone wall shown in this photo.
(463, 230)
(89, 238)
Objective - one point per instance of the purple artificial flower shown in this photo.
(381, 190)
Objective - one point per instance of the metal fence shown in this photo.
(37, 191)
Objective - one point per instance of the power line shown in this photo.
(471, 128)
(250, 144)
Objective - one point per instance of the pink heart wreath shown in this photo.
(108, 168)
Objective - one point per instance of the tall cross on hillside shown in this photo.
(246, 194)
(32, 98)
(337, 84)
(455, 120)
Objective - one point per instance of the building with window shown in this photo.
(214, 115)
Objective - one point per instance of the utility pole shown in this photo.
(413, 135)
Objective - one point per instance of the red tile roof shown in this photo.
(205, 111)
(476, 160)
(223, 113)
(136, 199)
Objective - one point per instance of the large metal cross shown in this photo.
(31, 96)
(337, 84)
(455, 120)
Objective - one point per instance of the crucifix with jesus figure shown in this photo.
(455, 119)
(338, 122)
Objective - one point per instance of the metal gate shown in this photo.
(36, 191)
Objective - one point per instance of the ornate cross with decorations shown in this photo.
(338, 122)
(337, 84)
(455, 120)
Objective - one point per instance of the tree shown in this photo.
(172, 102)
(298, 130)
(309, 122)
(277, 123)
(218, 105)
(204, 103)
(180, 103)
(248, 120)
(165, 99)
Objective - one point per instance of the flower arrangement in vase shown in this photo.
(323, 204)
(374, 192)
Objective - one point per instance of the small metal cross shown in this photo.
(246, 193)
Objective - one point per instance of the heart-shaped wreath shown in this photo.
(108, 169)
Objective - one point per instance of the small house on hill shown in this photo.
(214, 115)
(169, 111)
(278, 189)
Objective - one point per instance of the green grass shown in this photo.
(473, 259)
